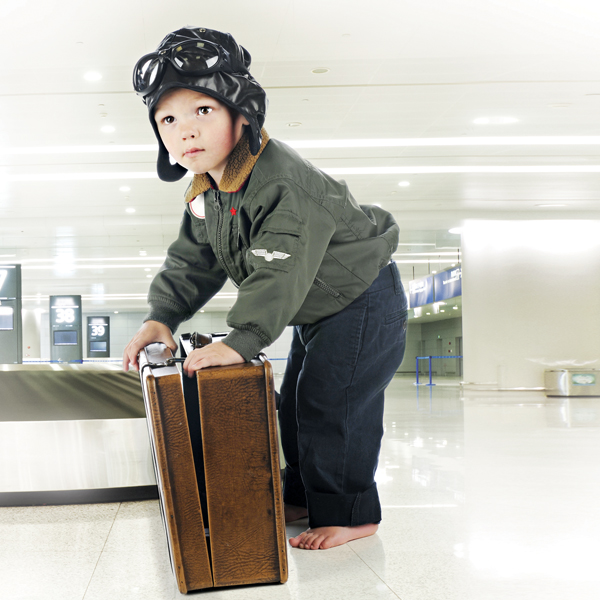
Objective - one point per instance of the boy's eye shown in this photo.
(204, 110)
(169, 120)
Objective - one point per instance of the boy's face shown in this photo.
(198, 131)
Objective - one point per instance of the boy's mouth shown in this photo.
(192, 152)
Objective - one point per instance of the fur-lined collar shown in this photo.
(238, 169)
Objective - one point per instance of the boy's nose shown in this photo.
(188, 131)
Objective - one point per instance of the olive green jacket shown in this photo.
(291, 238)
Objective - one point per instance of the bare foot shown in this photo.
(293, 513)
(322, 538)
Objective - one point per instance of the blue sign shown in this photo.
(448, 284)
(420, 291)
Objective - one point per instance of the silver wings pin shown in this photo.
(269, 256)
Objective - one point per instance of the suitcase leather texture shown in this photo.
(246, 542)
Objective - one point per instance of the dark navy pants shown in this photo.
(331, 409)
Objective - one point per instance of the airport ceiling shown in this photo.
(82, 210)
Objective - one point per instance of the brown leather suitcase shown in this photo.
(216, 458)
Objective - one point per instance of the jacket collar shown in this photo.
(238, 169)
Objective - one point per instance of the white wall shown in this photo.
(31, 334)
(531, 295)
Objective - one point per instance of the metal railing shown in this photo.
(429, 359)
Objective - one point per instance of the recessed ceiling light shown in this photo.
(455, 230)
(294, 124)
(148, 275)
(92, 76)
(434, 271)
(143, 253)
(107, 129)
(130, 210)
(116, 312)
(124, 188)
(404, 183)
(320, 70)
(495, 120)
(442, 310)
(147, 269)
(428, 313)
(455, 308)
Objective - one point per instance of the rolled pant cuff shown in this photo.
(343, 510)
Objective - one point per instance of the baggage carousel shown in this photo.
(73, 433)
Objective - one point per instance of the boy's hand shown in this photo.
(216, 354)
(150, 332)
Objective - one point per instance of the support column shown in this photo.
(531, 299)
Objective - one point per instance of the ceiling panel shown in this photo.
(397, 69)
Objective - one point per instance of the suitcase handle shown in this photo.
(167, 363)
(198, 340)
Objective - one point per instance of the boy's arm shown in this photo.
(188, 279)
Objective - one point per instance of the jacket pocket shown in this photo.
(326, 288)
(199, 230)
(277, 244)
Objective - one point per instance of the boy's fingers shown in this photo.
(213, 355)
(129, 361)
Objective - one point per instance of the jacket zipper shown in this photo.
(220, 255)
(326, 288)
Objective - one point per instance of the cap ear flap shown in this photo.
(255, 139)
(166, 171)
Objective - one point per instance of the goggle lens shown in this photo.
(197, 57)
(146, 73)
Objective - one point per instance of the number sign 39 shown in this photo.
(98, 330)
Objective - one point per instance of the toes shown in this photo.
(297, 541)
(312, 542)
(317, 542)
(305, 542)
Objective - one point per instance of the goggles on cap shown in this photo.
(196, 57)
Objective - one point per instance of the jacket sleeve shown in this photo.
(188, 279)
(290, 234)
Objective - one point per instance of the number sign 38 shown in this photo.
(65, 315)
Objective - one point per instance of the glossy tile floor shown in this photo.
(485, 497)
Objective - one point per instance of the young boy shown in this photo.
(301, 251)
